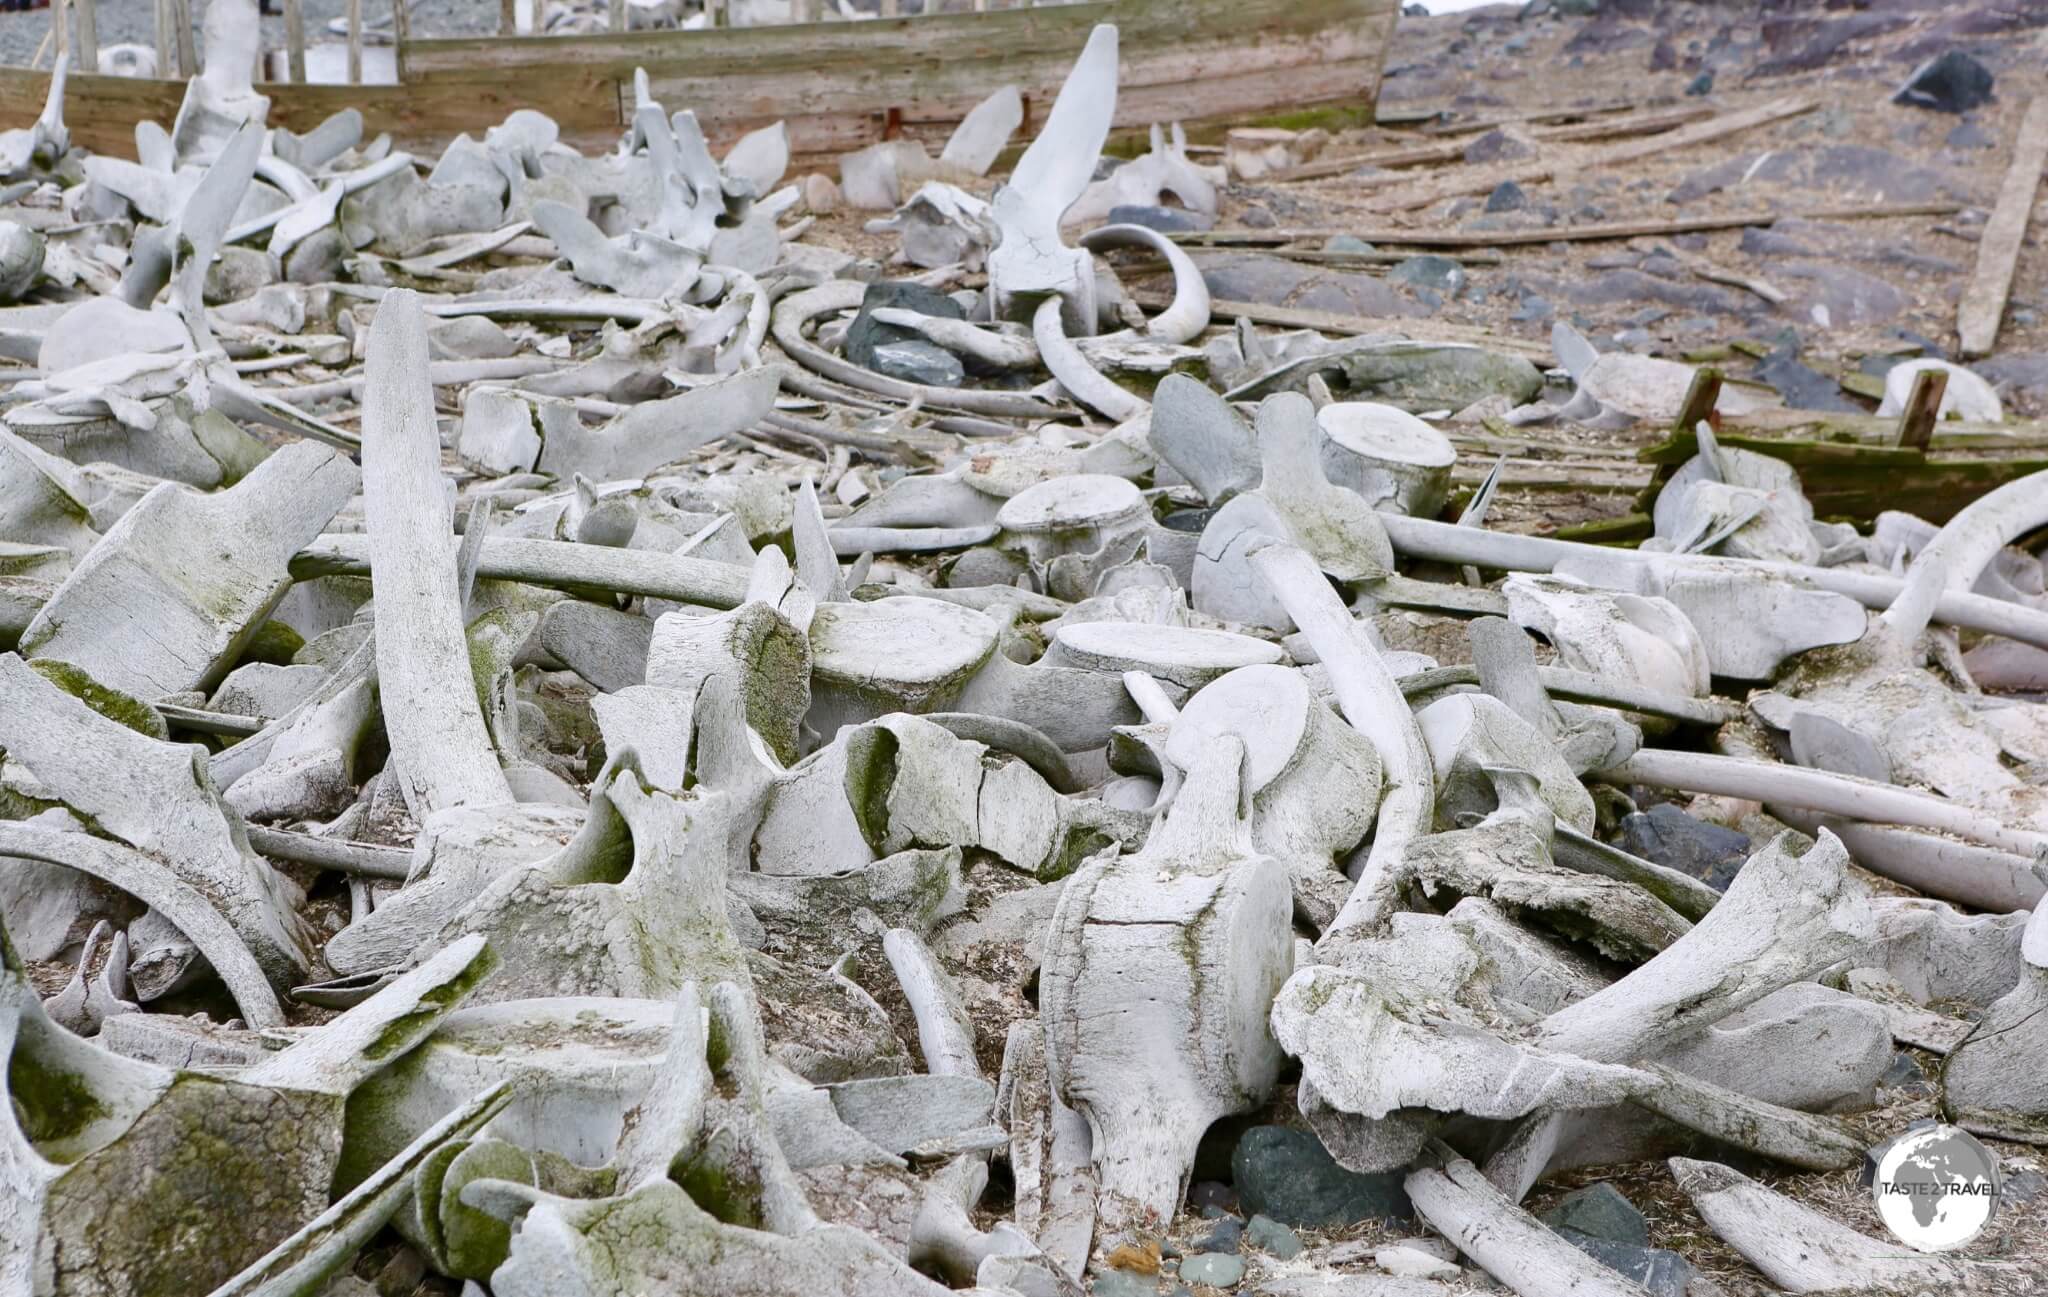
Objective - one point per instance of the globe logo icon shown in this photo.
(1936, 1188)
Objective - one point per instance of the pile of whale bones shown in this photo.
(735, 789)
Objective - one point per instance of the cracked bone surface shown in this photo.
(578, 717)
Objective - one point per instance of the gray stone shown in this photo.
(1349, 245)
(1969, 135)
(1122, 1283)
(1500, 145)
(1952, 82)
(317, 258)
(1167, 220)
(1870, 173)
(865, 334)
(1851, 298)
(1204, 1195)
(1440, 274)
(1507, 197)
(1702, 84)
(2024, 1186)
(1273, 1238)
(2025, 372)
(238, 274)
(1225, 1235)
(1666, 835)
(1662, 1272)
(1601, 1211)
(1287, 1175)
(1906, 1076)
(1258, 218)
(1215, 1269)
(1803, 388)
(916, 361)
(1275, 281)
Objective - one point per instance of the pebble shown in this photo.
(1166, 220)
(1701, 84)
(1273, 1238)
(1258, 218)
(1216, 1269)
(1122, 1283)
(1507, 197)
(1430, 271)
(1661, 1271)
(1602, 1211)
(1226, 1235)
(1666, 835)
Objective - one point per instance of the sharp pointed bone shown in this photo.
(438, 739)
(1799, 1249)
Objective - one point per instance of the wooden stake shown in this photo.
(181, 30)
(1998, 252)
(60, 22)
(88, 37)
(1699, 400)
(617, 14)
(295, 41)
(1923, 405)
(159, 10)
(355, 42)
(401, 26)
(508, 17)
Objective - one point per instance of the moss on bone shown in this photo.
(121, 708)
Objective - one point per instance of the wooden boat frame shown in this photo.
(838, 85)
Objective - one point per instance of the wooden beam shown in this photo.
(615, 12)
(1432, 238)
(508, 17)
(1998, 252)
(181, 32)
(1700, 399)
(295, 40)
(161, 17)
(355, 42)
(1485, 180)
(1604, 127)
(88, 37)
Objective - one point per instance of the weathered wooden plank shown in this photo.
(1480, 180)
(295, 41)
(836, 84)
(88, 35)
(1647, 123)
(355, 42)
(1998, 252)
(1294, 317)
(1432, 238)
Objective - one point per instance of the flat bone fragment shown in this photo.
(1202, 437)
(1994, 1082)
(46, 141)
(166, 600)
(979, 138)
(1798, 1248)
(1197, 925)
(442, 751)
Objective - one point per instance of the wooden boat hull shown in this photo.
(839, 86)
